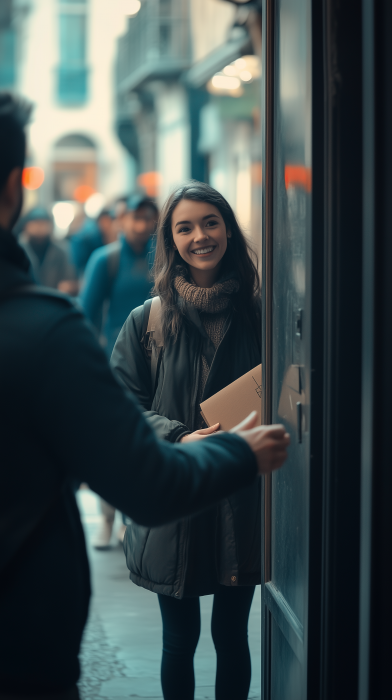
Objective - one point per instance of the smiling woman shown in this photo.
(193, 218)
(208, 285)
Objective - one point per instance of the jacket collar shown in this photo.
(14, 263)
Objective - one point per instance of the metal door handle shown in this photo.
(299, 421)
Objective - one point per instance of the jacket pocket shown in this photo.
(135, 542)
(153, 553)
(161, 561)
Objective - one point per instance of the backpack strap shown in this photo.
(153, 336)
(113, 259)
(154, 325)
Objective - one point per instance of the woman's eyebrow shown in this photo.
(209, 216)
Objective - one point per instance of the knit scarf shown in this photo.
(213, 303)
(211, 300)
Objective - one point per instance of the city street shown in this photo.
(122, 643)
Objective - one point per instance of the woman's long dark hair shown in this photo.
(239, 258)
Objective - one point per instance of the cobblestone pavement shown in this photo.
(121, 648)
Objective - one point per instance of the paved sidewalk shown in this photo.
(122, 642)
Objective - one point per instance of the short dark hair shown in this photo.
(14, 115)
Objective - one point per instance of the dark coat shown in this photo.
(158, 557)
(65, 419)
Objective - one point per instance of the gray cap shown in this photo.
(37, 214)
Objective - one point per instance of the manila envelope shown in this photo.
(234, 403)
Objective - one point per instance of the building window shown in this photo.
(74, 167)
(7, 58)
(72, 71)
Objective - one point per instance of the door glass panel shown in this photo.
(286, 685)
(291, 202)
(291, 229)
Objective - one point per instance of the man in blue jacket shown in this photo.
(117, 277)
(64, 419)
(94, 234)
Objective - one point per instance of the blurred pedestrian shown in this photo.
(51, 442)
(118, 279)
(49, 258)
(118, 276)
(94, 234)
(210, 318)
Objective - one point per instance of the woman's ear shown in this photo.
(228, 233)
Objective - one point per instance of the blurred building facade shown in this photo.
(188, 99)
(60, 54)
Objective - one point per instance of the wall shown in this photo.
(173, 137)
(38, 61)
(210, 23)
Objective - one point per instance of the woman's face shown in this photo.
(199, 234)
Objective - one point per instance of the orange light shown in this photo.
(256, 173)
(83, 192)
(32, 178)
(150, 182)
(298, 175)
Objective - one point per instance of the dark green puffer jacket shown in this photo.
(157, 558)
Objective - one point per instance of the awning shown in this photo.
(201, 72)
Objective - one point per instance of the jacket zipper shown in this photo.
(216, 352)
(196, 374)
(196, 387)
(186, 521)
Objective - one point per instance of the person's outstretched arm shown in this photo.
(96, 433)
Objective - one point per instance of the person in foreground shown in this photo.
(65, 419)
(210, 318)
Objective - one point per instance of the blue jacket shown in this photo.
(117, 280)
(83, 243)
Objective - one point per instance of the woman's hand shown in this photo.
(269, 443)
(200, 434)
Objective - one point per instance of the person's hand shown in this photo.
(200, 434)
(268, 443)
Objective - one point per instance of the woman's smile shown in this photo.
(207, 250)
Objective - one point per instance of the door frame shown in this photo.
(334, 295)
(314, 373)
(376, 516)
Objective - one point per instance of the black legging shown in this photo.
(229, 627)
